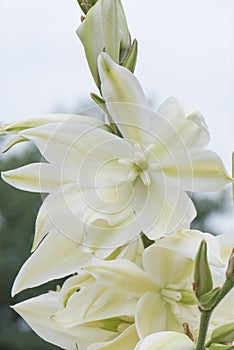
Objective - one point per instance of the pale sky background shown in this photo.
(186, 50)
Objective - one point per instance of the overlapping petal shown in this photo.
(166, 340)
(38, 311)
(151, 314)
(56, 257)
(189, 125)
(95, 303)
(162, 207)
(117, 274)
(186, 242)
(123, 95)
(33, 122)
(126, 340)
(172, 267)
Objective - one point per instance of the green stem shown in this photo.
(206, 314)
(204, 323)
(227, 286)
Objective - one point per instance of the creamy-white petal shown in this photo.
(166, 340)
(117, 274)
(125, 99)
(35, 177)
(57, 256)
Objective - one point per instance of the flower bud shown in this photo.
(230, 268)
(221, 347)
(208, 299)
(203, 282)
(104, 29)
(131, 58)
(223, 334)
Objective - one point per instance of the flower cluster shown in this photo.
(110, 184)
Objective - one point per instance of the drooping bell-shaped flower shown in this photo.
(40, 313)
(162, 289)
(58, 256)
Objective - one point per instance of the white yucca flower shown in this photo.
(105, 189)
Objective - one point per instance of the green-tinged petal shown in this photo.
(125, 99)
(13, 141)
(130, 60)
(186, 242)
(35, 177)
(126, 340)
(73, 284)
(106, 303)
(131, 251)
(56, 257)
(204, 172)
(191, 127)
(166, 341)
(151, 314)
(38, 312)
(172, 267)
(104, 28)
(122, 275)
(33, 122)
(95, 303)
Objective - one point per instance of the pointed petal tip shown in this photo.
(16, 289)
(6, 176)
(104, 62)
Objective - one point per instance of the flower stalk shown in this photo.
(206, 313)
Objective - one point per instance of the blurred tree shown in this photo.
(18, 211)
(215, 212)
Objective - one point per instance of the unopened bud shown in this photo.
(203, 282)
(104, 28)
(207, 300)
(230, 268)
(130, 60)
(221, 347)
(223, 334)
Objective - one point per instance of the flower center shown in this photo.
(140, 164)
(171, 294)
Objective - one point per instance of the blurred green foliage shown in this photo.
(18, 210)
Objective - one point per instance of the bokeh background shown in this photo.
(186, 49)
